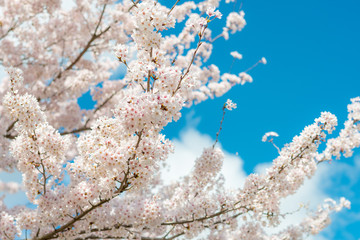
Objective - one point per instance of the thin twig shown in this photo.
(173, 7)
(221, 122)
(201, 34)
(217, 37)
(232, 64)
(257, 63)
(93, 37)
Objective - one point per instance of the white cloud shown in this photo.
(18, 198)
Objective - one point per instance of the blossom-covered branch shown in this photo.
(96, 173)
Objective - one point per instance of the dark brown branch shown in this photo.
(8, 135)
(75, 131)
(122, 237)
(134, 5)
(74, 220)
(9, 30)
(163, 238)
(173, 7)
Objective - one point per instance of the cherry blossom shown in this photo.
(269, 134)
(236, 55)
(230, 105)
(263, 60)
(96, 173)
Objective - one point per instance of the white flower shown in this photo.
(269, 134)
(203, 22)
(211, 12)
(121, 52)
(236, 55)
(16, 77)
(229, 105)
(225, 33)
(263, 60)
(235, 21)
(245, 77)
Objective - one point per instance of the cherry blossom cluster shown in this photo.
(236, 55)
(349, 136)
(148, 111)
(96, 173)
(150, 16)
(269, 134)
(212, 13)
(235, 21)
(23, 109)
(207, 166)
(230, 105)
(39, 148)
(121, 51)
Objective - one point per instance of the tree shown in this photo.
(113, 153)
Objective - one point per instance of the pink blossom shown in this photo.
(230, 105)
(96, 173)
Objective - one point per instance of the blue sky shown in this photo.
(312, 48)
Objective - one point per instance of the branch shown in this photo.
(75, 131)
(8, 31)
(15, 25)
(173, 7)
(88, 45)
(43, 172)
(163, 238)
(68, 225)
(192, 60)
(105, 102)
(71, 223)
(123, 187)
(149, 73)
(217, 37)
(221, 122)
(198, 219)
(8, 135)
(85, 128)
(122, 237)
(134, 5)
